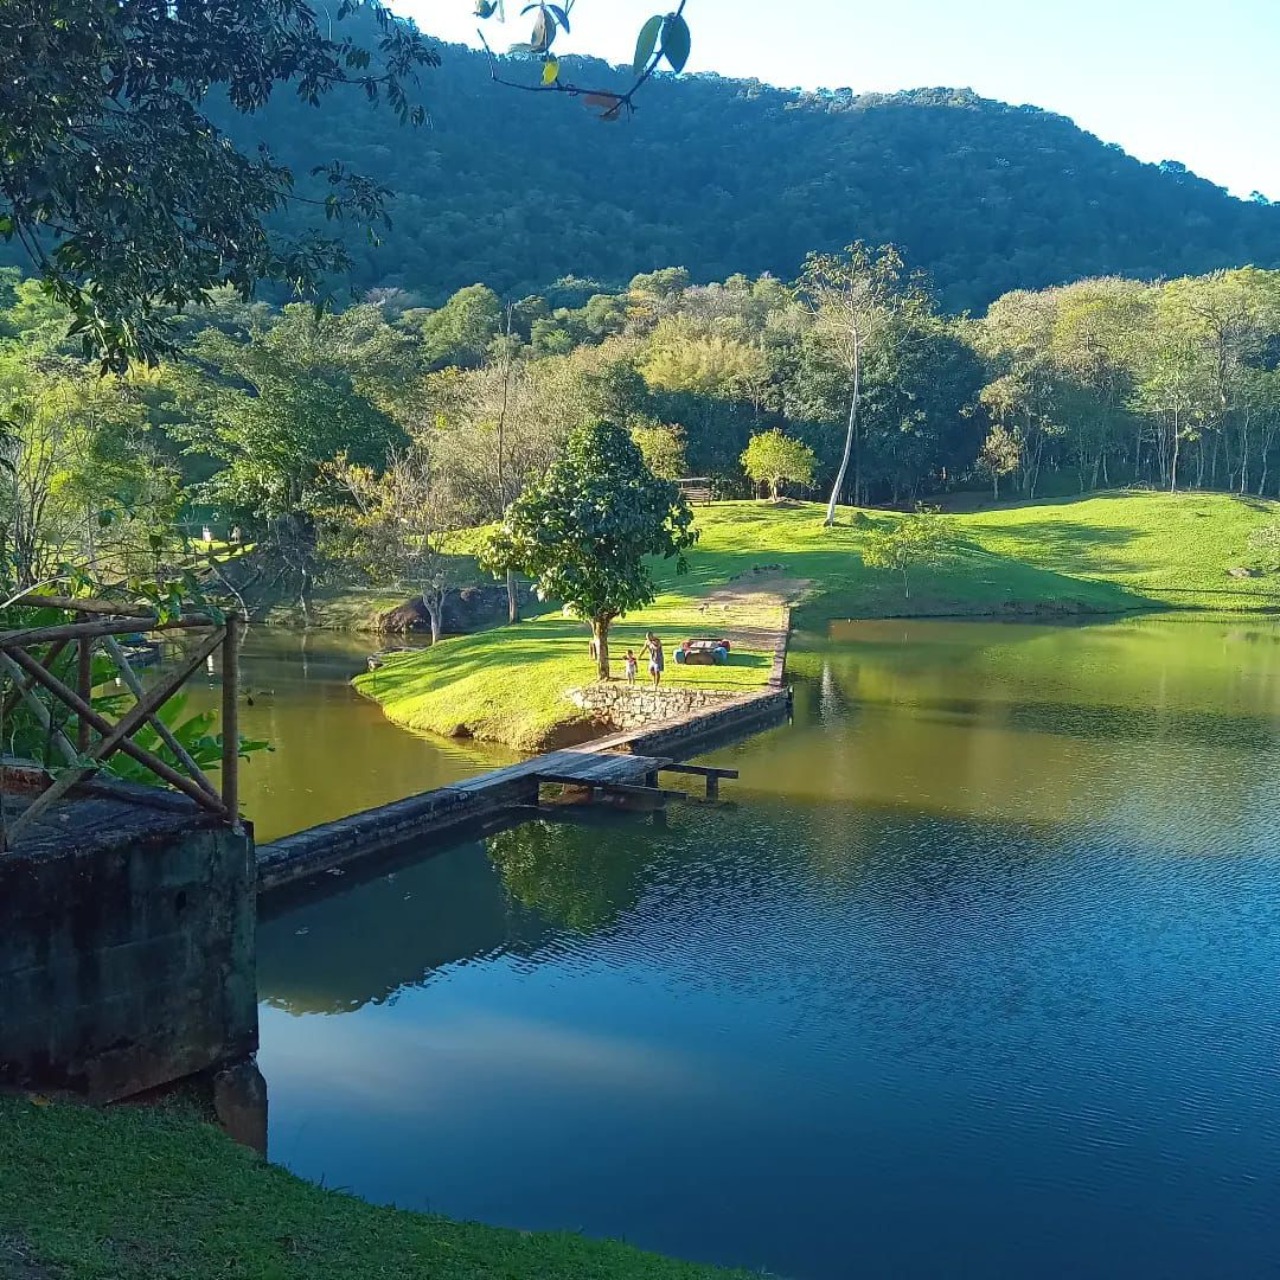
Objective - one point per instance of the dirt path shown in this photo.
(748, 610)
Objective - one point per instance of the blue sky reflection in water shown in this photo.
(979, 977)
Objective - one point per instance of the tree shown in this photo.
(772, 458)
(662, 448)
(1001, 456)
(585, 530)
(855, 296)
(499, 427)
(709, 381)
(461, 331)
(272, 412)
(80, 484)
(912, 540)
(118, 185)
(396, 531)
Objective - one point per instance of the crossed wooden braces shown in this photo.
(85, 757)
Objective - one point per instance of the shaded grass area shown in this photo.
(141, 1194)
(334, 608)
(1101, 554)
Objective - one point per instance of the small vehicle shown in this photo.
(703, 650)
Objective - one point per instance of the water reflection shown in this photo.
(412, 921)
(573, 877)
(983, 966)
(514, 893)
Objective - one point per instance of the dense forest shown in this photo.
(725, 176)
(356, 442)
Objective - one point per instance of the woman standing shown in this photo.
(656, 662)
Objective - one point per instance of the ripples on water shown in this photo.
(979, 977)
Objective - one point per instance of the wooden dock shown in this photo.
(623, 768)
(597, 773)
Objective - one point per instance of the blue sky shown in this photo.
(1190, 80)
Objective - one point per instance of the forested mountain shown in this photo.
(724, 176)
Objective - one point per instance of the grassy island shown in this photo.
(1100, 554)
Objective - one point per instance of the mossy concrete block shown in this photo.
(126, 948)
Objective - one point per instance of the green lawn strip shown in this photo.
(157, 1194)
(510, 684)
(1172, 549)
(1100, 554)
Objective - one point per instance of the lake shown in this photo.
(979, 975)
(334, 752)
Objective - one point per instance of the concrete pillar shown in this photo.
(127, 954)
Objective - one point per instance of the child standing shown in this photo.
(631, 667)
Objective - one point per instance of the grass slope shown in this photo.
(1101, 554)
(156, 1194)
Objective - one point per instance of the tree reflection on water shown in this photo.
(576, 877)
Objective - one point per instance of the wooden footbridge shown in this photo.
(625, 769)
(605, 773)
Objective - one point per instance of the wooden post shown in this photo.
(713, 786)
(231, 718)
(84, 684)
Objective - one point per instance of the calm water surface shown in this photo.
(334, 752)
(980, 977)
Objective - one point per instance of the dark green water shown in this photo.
(980, 977)
(334, 752)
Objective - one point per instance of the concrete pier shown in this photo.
(127, 919)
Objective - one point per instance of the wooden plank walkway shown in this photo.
(599, 768)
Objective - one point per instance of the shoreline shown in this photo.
(133, 1192)
(1096, 556)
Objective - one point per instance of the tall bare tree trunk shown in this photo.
(513, 600)
(433, 602)
(850, 433)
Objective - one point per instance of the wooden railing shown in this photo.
(28, 657)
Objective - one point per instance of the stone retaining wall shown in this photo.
(628, 706)
(126, 947)
(713, 726)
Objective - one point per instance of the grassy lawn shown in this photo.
(1103, 553)
(1100, 554)
(509, 684)
(156, 1194)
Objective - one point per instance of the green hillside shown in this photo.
(725, 176)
